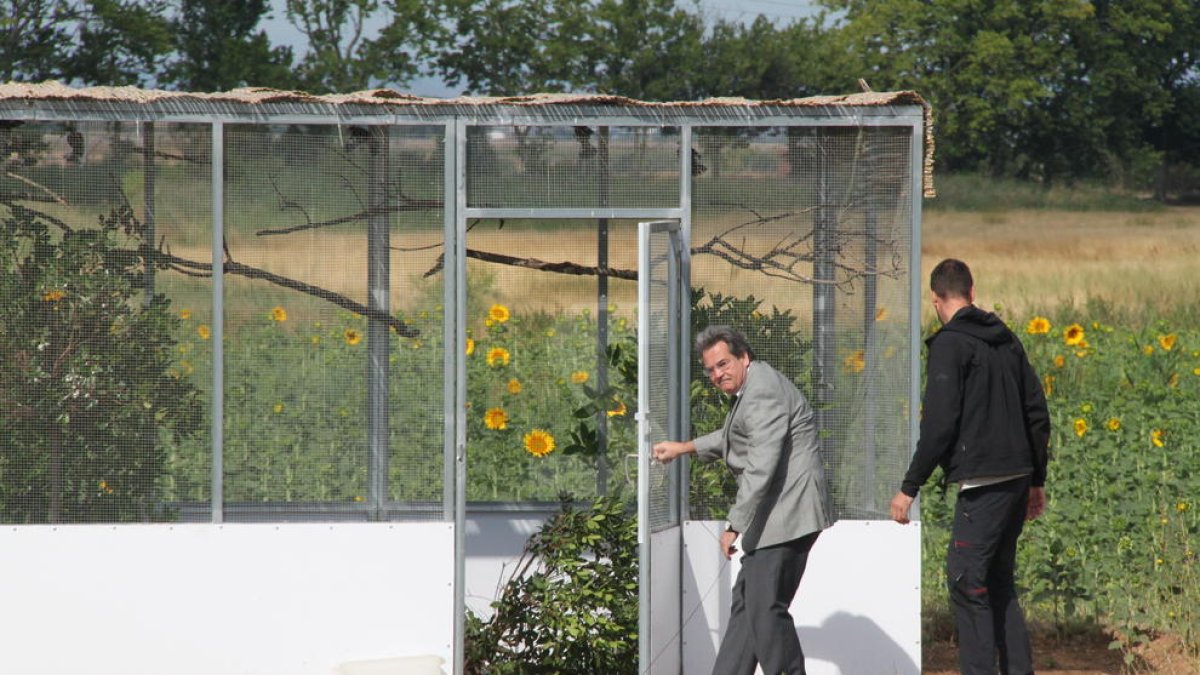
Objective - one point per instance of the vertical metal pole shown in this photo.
(456, 270)
(602, 315)
(682, 403)
(148, 175)
(378, 344)
(916, 183)
(218, 321)
(824, 271)
(872, 160)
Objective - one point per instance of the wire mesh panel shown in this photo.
(551, 379)
(513, 166)
(333, 355)
(102, 348)
(801, 238)
(663, 321)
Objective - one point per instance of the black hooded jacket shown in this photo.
(984, 413)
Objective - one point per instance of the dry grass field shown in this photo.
(1034, 260)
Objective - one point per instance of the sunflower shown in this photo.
(1038, 325)
(579, 376)
(1148, 350)
(618, 411)
(514, 386)
(1073, 334)
(497, 356)
(1081, 427)
(495, 418)
(855, 362)
(1167, 342)
(185, 314)
(54, 295)
(881, 314)
(498, 313)
(539, 443)
(352, 337)
(1059, 361)
(279, 314)
(470, 346)
(1158, 437)
(1113, 424)
(203, 331)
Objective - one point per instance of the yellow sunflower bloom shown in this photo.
(514, 386)
(185, 314)
(203, 331)
(1073, 334)
(1081, 427)
(1038, 325)
(498, 313)
(1059, 361)
(1182, 506)
(495, 418)
(352, 337)
(1196, 371)
(1113, 424)
(579, 376)
(539, 443)
(1167, 342)
(881, 314)
(497, 356)
(470, 346)
(1148, 350)
(1158, 437)
(618, 411)
(855, 362)
(53, 295)
(279, 314)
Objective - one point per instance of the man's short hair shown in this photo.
(951, 279)
(727, 334)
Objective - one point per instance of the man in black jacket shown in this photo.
(985, 422)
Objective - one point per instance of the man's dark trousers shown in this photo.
(761, 630)
(980, 565)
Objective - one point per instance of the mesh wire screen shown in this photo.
(103, 385)
(572, 166)
(551, 372)
(663, 319)
(333, 397)
(801, 237)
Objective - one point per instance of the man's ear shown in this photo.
(971, 295)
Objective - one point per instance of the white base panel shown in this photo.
(858, 610)
(286, 599)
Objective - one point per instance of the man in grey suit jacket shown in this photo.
(769, 441)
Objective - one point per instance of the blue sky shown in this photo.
(282, 33)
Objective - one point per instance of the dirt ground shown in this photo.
(1086, 654)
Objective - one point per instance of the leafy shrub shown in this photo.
(571, 604)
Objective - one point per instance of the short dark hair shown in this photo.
(951, 278)
(727, 334)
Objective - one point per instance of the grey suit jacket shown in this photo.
(769, 441)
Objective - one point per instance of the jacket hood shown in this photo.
(979, 324)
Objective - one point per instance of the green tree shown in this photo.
(1048, 90)
(764, 61)
(342, 57)
(35, 36)
(87, 390)
(120, 42)
(218, 46)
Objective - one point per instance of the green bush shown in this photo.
(571, 604)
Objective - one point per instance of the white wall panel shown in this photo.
(858, 609)
(280, 599)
